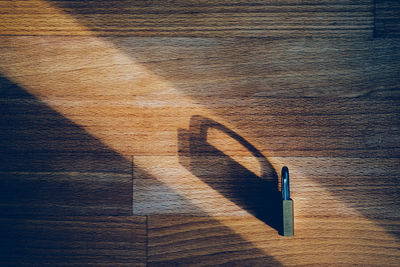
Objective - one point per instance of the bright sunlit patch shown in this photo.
(100, 88)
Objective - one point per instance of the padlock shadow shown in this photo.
(258, 195)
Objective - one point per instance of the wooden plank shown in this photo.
(72, 241)
(343, 186)
(100, 67)
(274, 19)
(244, 241)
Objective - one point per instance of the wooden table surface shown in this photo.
(153, 132)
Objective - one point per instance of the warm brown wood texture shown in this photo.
(287, 18)
(157, 136)
(202, 241)
(51, 166)
(74, 241)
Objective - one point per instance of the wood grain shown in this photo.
(203, 125)
(133, 109)
(202, 241)
(73, 241)
(51, 166)
(302, 67)
(321, 187)
(203, 67)
(276, 19)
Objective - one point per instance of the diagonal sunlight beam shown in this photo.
(99, 87)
